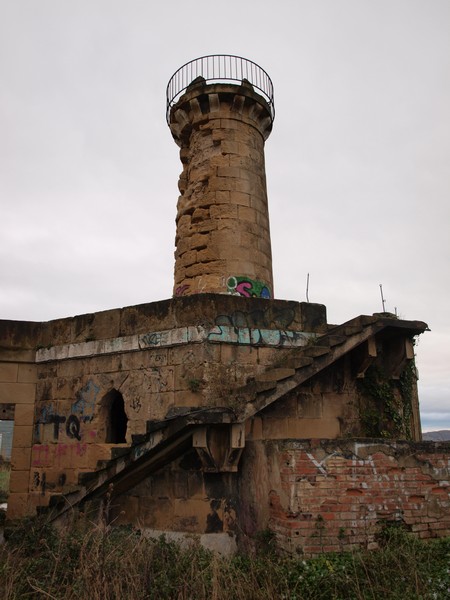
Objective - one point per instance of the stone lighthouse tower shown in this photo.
(220, 111)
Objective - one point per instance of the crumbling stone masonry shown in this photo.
(223, 239)
(225, 412)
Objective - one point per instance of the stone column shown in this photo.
(223, 239)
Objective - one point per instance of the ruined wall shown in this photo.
(17, 396)
(158, 360)
(331, 495)
(182, 497)
(336, 403)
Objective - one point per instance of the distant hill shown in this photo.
(437, 436)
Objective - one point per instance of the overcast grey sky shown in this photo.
(357, 164)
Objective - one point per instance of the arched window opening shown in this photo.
(116, 418)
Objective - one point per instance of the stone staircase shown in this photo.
(305, 362)
(166, 440)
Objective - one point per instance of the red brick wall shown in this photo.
(335, 495)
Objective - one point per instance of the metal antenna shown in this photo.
(307, 288)
(382, 298)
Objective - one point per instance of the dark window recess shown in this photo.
(116, 418)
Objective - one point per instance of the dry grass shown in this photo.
(102, 563)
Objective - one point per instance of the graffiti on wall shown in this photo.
(252, 328)
(271, 318)
(82, 411)
(167, 337)
(57, 455)
(182, 290)
(244, 286)
(261, 337)
(73, 427)
(86, 398)
(47, 415)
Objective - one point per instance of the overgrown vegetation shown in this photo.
(109, 563)
(386, 409)
(5, 469)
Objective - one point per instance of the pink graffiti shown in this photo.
(58, 454)
(181, 290)
(41, 455)
(243, 287)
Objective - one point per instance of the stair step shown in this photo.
(275, 374)
(117, 452)
(86, 477)
(315, 351)
(298, 362)
(103, 464)
(263, 386)
(137, 438)
(352, 329)
(336, 340)
(56, 500)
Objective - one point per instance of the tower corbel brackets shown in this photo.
(219, 447)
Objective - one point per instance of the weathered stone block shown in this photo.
(21, 459)
(188, 258)
(309, 406)
(246, 213)
(8, 372)
(19, 481)
(24, 414)
(214, 267)
(274, 429)
(242, 199)
(19, 505)
(23, 436)
(209, 254)
(224, 211)
(188, 398)
(313, 428)
(17, 393)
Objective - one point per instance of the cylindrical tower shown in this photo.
(220, 112)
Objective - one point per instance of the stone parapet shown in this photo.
(19, 338)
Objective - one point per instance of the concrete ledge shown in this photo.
(174, 337)
(219, 543)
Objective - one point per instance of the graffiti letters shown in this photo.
(73, 427)
(56, 455)
(168, 337)
(244, 286)
(136, 404)
(259, 327)
(48, 416)
(261, 337)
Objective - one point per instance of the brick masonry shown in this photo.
(332, 495)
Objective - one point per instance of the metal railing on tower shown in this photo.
(218, 68)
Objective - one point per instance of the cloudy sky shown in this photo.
(357, 164)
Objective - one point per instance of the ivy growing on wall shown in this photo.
(386, 404)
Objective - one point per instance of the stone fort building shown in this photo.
(223, 411)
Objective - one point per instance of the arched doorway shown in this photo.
(116, 419)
